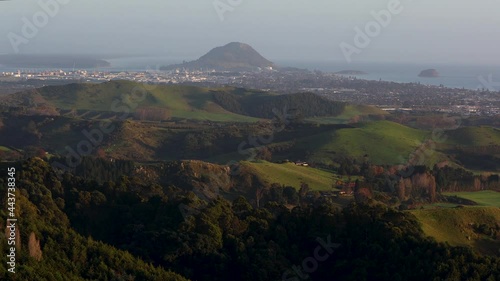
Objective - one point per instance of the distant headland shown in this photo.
(429, 73)
(234, 56)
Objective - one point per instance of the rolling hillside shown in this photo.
(291, 175)
(136, 110)
(487, 198)
(463, 227)
(474, 136)
(380, 142)
(350, 114)
(264, 105)
(3, 148)
(383, 142)
(476, 148)
(125, 99)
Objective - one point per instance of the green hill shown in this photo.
(264, 105)
(487, 198)
(380, 142)
(463, 227)
(3, 148)
(292, 175)
(126, 99)
(123, 96)
(476, 148)
(383, 142)
(474, 136)
(350, 114)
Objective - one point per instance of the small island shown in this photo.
(351, 72)
(429, 73)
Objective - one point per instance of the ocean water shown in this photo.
(143, 63)
(451, 75)
(152, 63)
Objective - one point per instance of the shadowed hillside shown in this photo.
(476, 227)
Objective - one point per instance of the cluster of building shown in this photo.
(387, 95)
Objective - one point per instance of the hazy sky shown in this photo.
(459, 31)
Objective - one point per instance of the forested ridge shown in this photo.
(126, 229)
(62, 253)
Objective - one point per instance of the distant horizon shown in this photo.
(453, 75)
(180, 58)
(377, 31)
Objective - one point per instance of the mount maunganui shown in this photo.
(231, 57)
